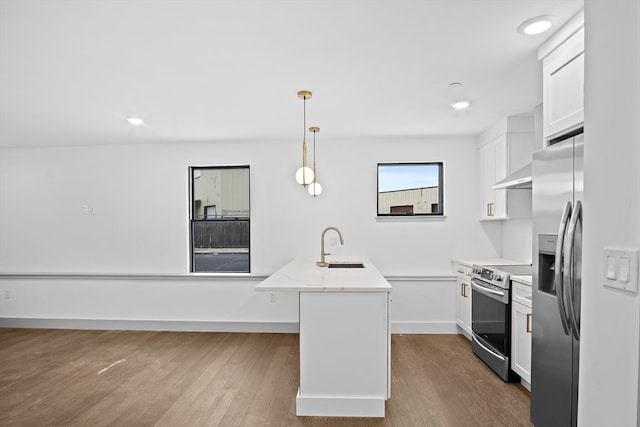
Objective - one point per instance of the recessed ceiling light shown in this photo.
(460, 105)
(135, 121)
(536, 25)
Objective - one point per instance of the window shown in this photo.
(409, 189)
(219, 219)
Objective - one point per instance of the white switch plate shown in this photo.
(621, 269)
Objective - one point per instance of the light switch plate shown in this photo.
(621, 269)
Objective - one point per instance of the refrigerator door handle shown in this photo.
(558, 267)
(569, 245)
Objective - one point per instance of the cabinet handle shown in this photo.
(490, 209)
(464, 290)
(529, 323)
(461, 271)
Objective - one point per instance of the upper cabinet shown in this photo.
(493, 168)
(563, 79)
(503, 149)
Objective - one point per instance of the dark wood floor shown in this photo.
(125, 378)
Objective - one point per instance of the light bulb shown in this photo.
(315, 188)
(460, 105)
(536, 25)
(135, 121)
(305, 178)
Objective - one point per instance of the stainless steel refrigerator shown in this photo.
(557, 173)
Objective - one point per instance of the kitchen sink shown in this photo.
(346, 265)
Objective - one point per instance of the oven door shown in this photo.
(490, 323)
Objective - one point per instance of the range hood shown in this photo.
(520, 179)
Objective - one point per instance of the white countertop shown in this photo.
(469, 262)
(526, 279)
(302, 275)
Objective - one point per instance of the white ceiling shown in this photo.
(71, 71)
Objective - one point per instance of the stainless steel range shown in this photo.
(491, 316)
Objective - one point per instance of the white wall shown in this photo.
(140, 226)
(517, 238)
(609, 355)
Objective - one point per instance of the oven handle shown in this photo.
(498, 355)
(491, 293)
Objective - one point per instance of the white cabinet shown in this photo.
(345, 354)
(463, 298)
(503, 149)
(521, 317)
(563, 79)
(493, 168)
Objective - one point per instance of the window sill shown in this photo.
(411, 218)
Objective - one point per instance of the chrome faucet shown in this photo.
(322, 262)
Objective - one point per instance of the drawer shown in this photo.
(521, 293)
(462, 270)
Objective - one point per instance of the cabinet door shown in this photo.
(563, 87)
(500, 172)
(494, 167)
(487, 170)
(344, 338)
(521, 340)
(463, 305)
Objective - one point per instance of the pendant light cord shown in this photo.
(315, 175)
(304, 140)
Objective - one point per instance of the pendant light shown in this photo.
(314, 188)
(304, 176)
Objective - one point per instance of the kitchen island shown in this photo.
(345, 346)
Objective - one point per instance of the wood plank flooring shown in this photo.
(140, 378)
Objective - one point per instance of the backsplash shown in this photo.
(516, 239)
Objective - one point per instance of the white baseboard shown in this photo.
(427, 327)
(401, 327)
(335, 406)
(150, 325)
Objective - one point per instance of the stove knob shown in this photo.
(498, 278)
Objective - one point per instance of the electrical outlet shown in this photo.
(621, 269)
(273, 297)
(7, 294)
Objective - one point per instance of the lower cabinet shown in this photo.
(463, 298)
(345, 354)
(521, 332)
(463, 306)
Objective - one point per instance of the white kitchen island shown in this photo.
(345, 346)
